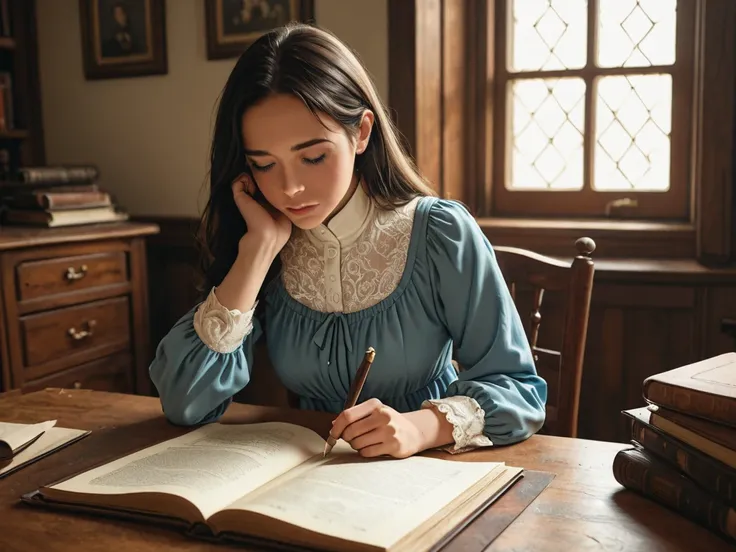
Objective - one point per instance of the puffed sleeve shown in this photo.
(203, 361)
(498, 371)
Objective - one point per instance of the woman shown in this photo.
(323, 238)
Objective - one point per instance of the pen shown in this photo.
(354, 392)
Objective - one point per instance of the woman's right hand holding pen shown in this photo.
(375, 429)
(268, 232)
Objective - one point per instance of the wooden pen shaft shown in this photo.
(355, 388)
(360, 377)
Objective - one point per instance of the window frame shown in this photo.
(672, 204)
(440, 55)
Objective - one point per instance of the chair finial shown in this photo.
(585, 246)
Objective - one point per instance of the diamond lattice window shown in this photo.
(587, 94)
(547, 133)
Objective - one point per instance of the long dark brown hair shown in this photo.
(315, 66)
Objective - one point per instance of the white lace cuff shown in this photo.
(221, 329)
(468, 419)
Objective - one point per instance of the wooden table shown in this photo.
(584, 508)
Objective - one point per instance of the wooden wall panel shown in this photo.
(415, 80)
(454, 69)
(626, 344)
(718, 304)
(715, 169)
(603, 374)
(172, 286)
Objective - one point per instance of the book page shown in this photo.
(210, 466)
(51, 439)
(14, 436)
(372, 501)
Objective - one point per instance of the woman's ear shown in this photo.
(364, 131)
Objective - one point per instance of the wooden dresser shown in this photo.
(75, 308)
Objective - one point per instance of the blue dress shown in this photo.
(451, 302)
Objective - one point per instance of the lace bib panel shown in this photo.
(333, 277)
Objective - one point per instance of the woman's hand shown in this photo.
(374, 429)
(265, 224)
(268, 232)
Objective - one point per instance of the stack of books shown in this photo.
(57, 196)
(684, 443)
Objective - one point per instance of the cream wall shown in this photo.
(150, 135)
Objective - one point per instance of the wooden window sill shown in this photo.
(626, 251)
(614, 239)
(660, 271)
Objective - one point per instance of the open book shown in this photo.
(21, 444)
(15, 437)
(270, 482)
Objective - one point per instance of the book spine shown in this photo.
(641, 473)
(718, 433)
(70, 200)
(695, 403)
(60, 175)
(712, 476)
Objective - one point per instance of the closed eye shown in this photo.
(314, 160)
(261, 168)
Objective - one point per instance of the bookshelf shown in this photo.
(21, 127)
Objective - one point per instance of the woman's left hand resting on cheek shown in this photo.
(375, 429)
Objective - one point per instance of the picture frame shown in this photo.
(233, 25)
(123, 38)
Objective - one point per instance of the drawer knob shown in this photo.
(82, 334)
(74, 274)
(77, 385)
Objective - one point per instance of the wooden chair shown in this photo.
(534, 274)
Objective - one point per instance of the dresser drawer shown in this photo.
(86, 331)
(106, 374)
(47, 277)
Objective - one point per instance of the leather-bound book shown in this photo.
(712, 475)
(55, 200)
(705, 389)
(642, 472)
(676, 423)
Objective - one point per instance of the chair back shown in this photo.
(529, 276)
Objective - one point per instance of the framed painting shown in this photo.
(123, 38)
(232, 25)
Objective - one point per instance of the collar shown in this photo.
(347, 225)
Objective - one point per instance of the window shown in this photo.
(593, 106)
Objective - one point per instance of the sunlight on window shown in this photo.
(548, 34)
(633, 124)
(636, 33)
(632, 113)
(547, 119)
